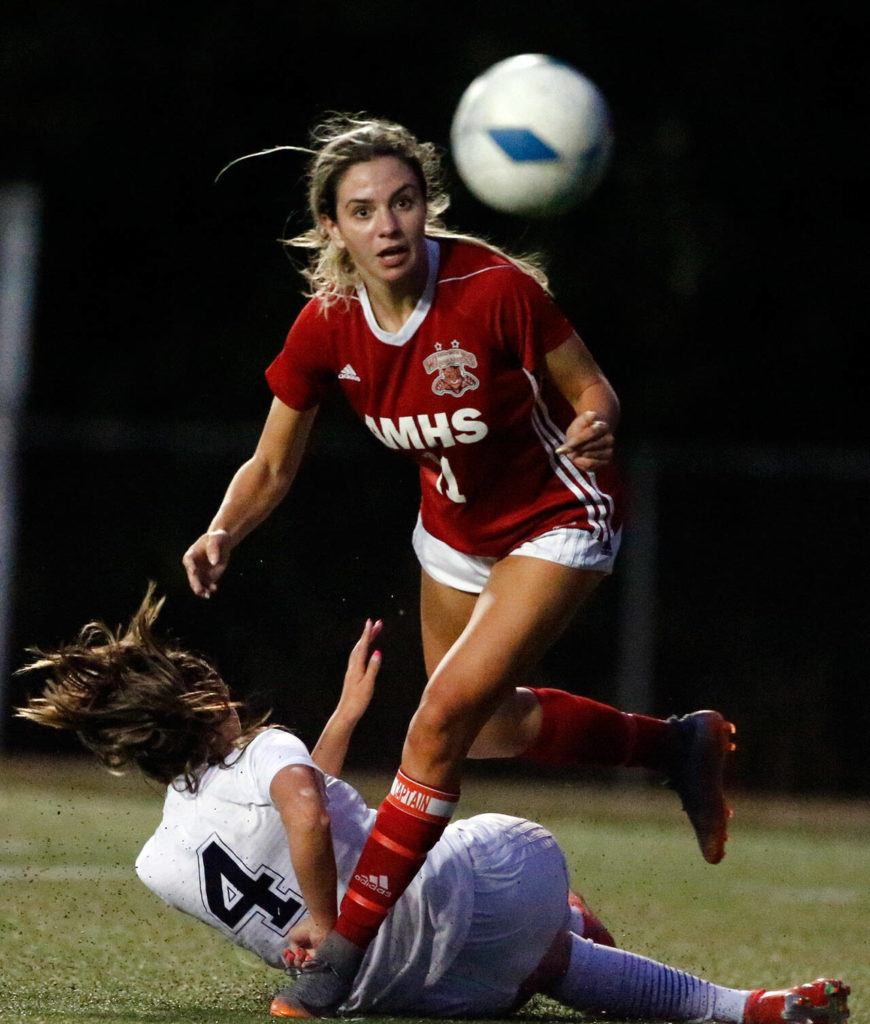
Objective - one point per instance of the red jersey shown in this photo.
(462, 389)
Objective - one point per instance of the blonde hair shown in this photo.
(136, 701)
(343, 140)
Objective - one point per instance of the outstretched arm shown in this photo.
(257, 488)
(359, 682)
(305, 818)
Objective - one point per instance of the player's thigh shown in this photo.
(519, 906)
(444, 614)
(523, 608)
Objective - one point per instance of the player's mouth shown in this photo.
(393, 255)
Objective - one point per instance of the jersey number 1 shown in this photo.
(447, 484)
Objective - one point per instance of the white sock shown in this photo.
(625, 984)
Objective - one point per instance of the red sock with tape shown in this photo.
(409, 823)
(581, 733)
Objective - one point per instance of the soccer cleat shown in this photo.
(702, 744)
(319, 995)
(823, 1001)
(322, 983)
(592, 927)
(283, 1006)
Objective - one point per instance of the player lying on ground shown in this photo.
(259, 837)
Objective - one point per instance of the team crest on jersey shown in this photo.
(450, 366)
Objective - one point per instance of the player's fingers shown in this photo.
(592, 460)
(598, 444)
(357, 652)
(294, 958)
(193, 577)
(356, 662)
(216, 546)
(370, 631)
(585, 429)
(373, 666)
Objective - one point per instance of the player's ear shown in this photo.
(332, 229)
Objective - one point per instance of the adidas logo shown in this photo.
(348, 373)
(379, 883)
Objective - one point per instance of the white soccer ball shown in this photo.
(531, 136)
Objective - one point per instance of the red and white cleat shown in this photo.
(823, 1001)
(592, 927)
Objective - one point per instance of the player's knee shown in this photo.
(441, 730)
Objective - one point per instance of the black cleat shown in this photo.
(702, 744)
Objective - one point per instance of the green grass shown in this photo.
(84, 942)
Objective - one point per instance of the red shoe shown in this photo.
(818, 1002)
(592, 928)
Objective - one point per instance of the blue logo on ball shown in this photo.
(521, 145)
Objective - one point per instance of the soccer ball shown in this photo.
(531, 136)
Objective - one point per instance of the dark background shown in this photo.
(718, 274)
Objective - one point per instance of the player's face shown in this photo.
(231, 728)
(380, 221)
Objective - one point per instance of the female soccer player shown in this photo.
(454, 354)
(258, 837)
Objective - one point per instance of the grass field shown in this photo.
(83, 941)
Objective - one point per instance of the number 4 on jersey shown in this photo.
(232, 892)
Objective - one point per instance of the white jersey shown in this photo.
(221, 855)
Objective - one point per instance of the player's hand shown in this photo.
(362, 670)
(589, 441)
(303, 940)
(206, 560)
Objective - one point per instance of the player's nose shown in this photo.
(387, 221)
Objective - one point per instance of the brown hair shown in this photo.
(136, 700)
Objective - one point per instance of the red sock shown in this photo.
(409, 823)
(579, 732)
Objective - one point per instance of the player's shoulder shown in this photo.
(477, 265)
(259, 761)
(322, 315)
(462, 260)
(275, 738)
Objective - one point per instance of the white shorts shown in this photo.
(578, 549)
(518, 905)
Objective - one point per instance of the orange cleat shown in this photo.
(702, 744)
(283, 1007)
(823, 1001)
(323, 982)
